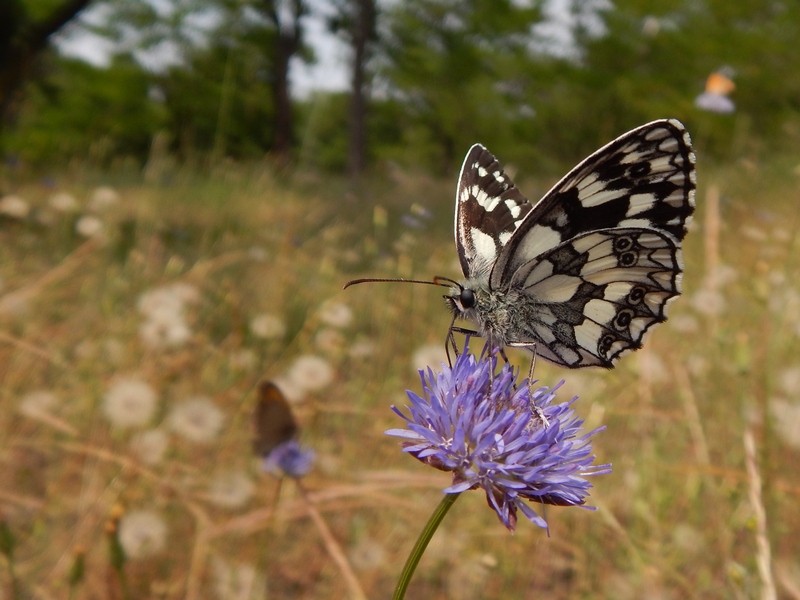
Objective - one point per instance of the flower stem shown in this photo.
(422, 542)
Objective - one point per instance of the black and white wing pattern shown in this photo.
(584, 274)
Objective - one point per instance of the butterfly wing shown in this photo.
(489, 208)
(596, 296)
(273, 420)
(643, 179)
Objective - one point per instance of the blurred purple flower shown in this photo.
(485, 428)
(716, 103)
(290, 459)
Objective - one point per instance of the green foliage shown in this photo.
(77, 109)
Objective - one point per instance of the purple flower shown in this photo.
(488, 430)
(289, 458)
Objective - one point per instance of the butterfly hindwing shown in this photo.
(594, 297)
(273, 421)
(489, 208)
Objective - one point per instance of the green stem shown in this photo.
(422, 542)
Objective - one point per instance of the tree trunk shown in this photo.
(288, 41)
(21, 40)
(363, 33)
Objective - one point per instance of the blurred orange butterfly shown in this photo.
(717, 83)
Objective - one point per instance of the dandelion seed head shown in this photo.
(197, 419)
(243, 359)
(709, 302)
(130, 402)
(14, 207)
(786, 420)
(336, 314)
(38, 403)
(432, 355)
(311, 373)
(362, 349)
(789, 380)
(368, 555)
(150, 446)
(158, 334)
(102, 198)
(142, 533)
(231, 489)
(330, 340)
(63, 202)
(268, 326)
(89, 226)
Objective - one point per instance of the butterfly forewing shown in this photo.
(273, 421)
(644, 178)
(584, 274)
(489, 208)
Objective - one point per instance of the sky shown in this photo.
(328, 73)
(554, 35)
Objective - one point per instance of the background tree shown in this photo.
(356, 20)
(25, 30)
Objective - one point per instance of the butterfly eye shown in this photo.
(467, 299)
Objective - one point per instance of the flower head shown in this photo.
(488, 430)
(291, 459)
(130, 402)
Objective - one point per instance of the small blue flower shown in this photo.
(487, 429)
(290, 459)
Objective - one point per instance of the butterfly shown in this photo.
(273, 421)
(580, 277)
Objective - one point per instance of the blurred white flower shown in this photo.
(786, 420)
(362, 349)
(790, 381)
(231, 489)
(89, 226)
(267, 326)
(236, 582)
(63, 202)
(103, 198)
(368, 555)
(130, 402)
(683, 323)
(38, 403)
(709, 302)
(150, 446)
(198, 419)
(336, 314)
(258, 253)
(311, 373)
(651, 367)
(292, 391)
(329, 340)
(164, 309)
(14, 206)
(159, 334)
(243, 360)
(429, 355)
(142, 533)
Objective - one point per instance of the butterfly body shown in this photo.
(582, 276)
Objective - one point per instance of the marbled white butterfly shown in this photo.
(583, 275)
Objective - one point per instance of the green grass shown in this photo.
(675, 518)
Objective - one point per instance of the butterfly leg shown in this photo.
(450, 342)
(538, 412)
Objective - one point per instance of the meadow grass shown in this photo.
(169, 295)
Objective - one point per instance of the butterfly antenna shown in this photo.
(436, 281)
